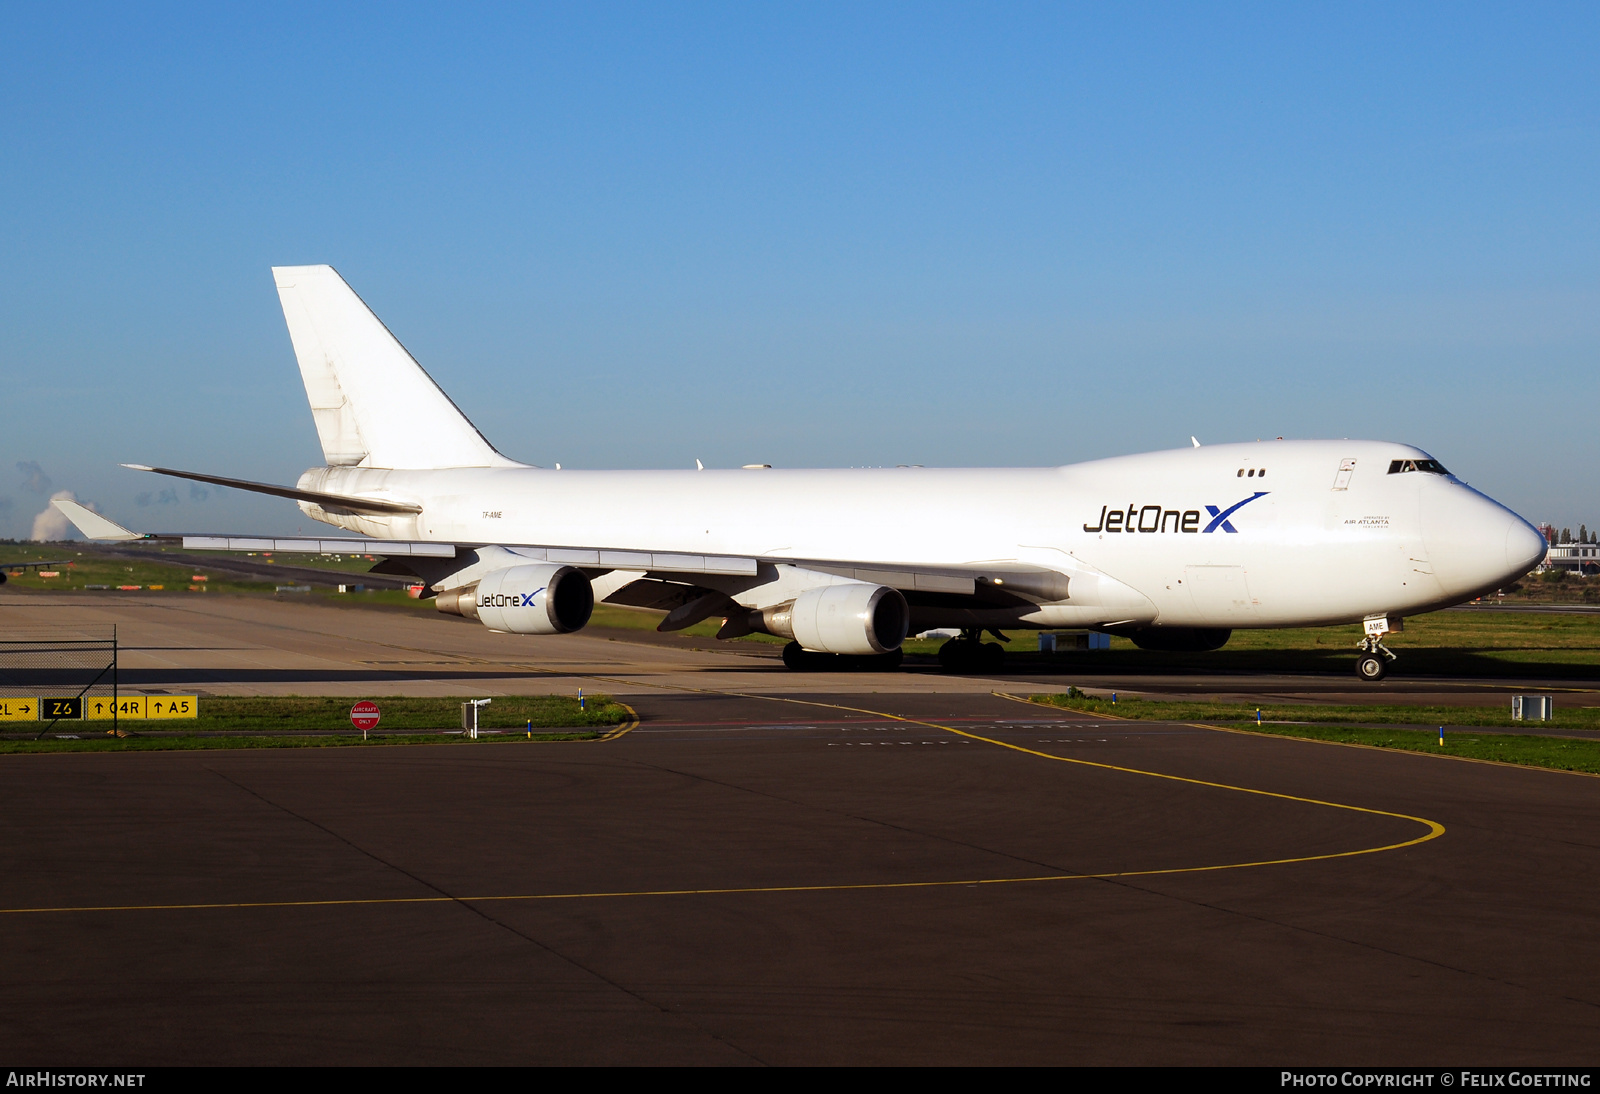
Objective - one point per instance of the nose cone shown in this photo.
(1525, 547)
(1474, 543)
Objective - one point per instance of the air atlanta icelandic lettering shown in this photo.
(1155, 518)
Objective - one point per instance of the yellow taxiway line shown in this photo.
(1433, 830)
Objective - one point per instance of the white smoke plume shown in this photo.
(52, 524)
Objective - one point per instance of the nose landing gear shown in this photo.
(1373, 664)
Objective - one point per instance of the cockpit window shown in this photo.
(1433, 467)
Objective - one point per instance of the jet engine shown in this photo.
(532, 599)
(851, 618)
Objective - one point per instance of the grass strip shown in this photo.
(1572, 717)
(277, 713)
(1559, 753)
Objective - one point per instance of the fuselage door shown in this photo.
(1341, 481)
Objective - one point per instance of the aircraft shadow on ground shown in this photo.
(1415, 663)
(1437, 661)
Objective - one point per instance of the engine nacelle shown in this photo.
(535, 599)
(853, 618)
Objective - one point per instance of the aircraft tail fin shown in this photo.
(92, 524)
(373, 404)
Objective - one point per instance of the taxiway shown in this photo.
(771, 869)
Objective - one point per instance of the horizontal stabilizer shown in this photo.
(336, 501)
(92, 524)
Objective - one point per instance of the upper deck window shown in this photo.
(1433, 467)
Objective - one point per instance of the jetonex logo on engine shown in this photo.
(1158, 518)
(510, 600)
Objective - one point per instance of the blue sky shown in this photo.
(809, 235)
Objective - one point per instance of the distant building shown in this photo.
(1579, 558)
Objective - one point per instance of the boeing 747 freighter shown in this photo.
(1174, 550)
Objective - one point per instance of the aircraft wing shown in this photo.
(96, 527)
(664, 579)
(993, 583)
(92, 524)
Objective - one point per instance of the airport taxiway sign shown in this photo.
(104, 709)
(364, 715)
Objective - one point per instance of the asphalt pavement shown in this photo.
(772, 868)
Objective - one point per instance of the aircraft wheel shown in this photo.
(1371, 667)
(992, 656)
(957, 655)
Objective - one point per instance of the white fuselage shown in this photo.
(1325, 535)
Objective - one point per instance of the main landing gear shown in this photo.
(1373, 664)
(970, 653)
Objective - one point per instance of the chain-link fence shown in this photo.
(55, 677)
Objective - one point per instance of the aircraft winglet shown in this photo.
(92, 524)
